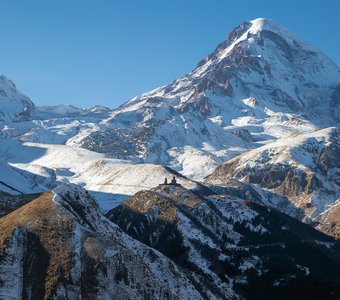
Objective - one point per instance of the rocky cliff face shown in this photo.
(230, 243)
(303, 169)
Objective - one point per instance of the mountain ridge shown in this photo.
(14, 106)
(252, 136)
(60, 245)
(255, 81)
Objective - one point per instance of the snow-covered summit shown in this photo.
(261, 59)
(260, 84)
(261, 24)
(14, 106)
(263, 37)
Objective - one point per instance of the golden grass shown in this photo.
(333, 223)
(53, 227)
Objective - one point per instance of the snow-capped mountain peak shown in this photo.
(261, 24)
(260, 84)
(260, 53)
(264, 39)
(14, 106)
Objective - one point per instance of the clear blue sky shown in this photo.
(84, 52)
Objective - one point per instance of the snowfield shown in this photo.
(32, 167)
